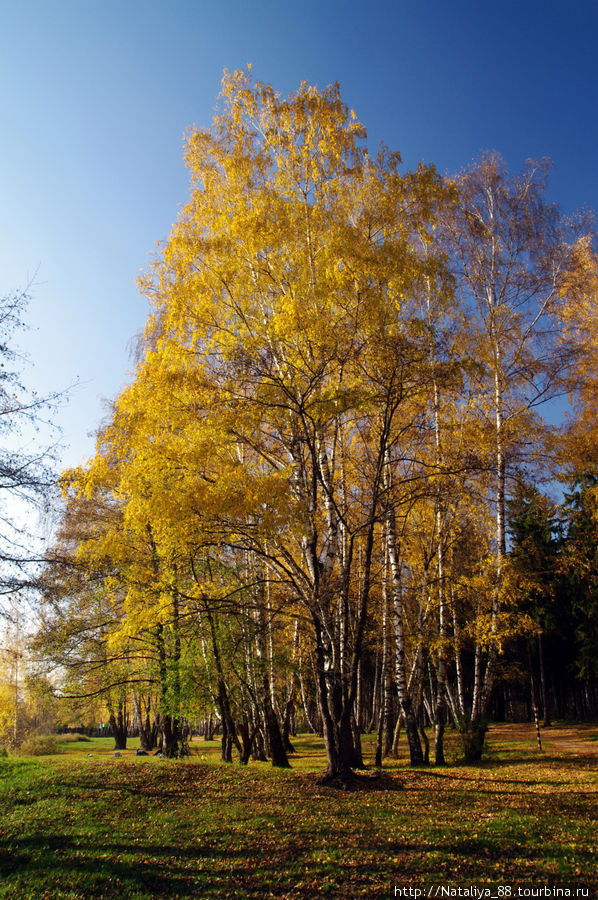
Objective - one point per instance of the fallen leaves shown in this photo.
(92, 829)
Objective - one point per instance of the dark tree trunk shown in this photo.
(287, 722)
(439, 758)
(226, 744)
(473, 736)
(426, 743)
(277, 751)
(356, 739)
(185, 735)
(171, 732)
(169, 729)
(210, 727)
(543, 687)
(147, 733)
(118, 727)
(153, 732)
(229, 733)
(259, 745)
(247, 740)
(308, 706)
(338, 735)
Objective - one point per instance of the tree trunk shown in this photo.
(415, 749)
(118, 726)
(543, 687)
(441, 695)
(143, 726)
(170, 730)
(277, 750)
(338, 738)
(534, 695)
(426, 743)
(264, 665)
(247, 739)
(229, 734)
(385, 722)
(287, 723)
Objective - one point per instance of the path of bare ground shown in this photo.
(582, 738)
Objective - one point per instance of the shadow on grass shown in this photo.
(161, 869)
(473, 854)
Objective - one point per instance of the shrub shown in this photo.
(72, 738)
(3, 751)
(39, 745)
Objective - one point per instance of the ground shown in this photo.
(92, 826)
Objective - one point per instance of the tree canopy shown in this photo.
(298, 506)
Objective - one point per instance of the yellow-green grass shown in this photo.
(78, 826)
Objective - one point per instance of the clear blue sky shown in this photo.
(96, 97)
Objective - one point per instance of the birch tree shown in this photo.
(510, 259)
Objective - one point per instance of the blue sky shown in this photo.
(96, 96)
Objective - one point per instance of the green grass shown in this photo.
(78, 826)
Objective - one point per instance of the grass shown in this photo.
(78, 826)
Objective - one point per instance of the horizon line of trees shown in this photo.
(299, 509)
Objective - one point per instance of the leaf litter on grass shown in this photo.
(100, 828)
